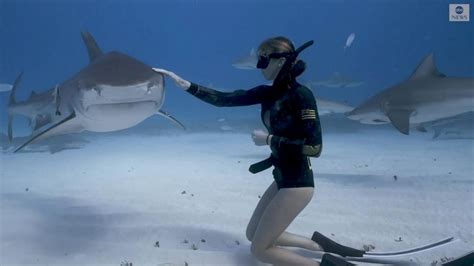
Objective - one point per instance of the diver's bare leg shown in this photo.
(279, 213)
(257, 213)
(286, 239)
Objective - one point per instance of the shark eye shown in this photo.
(150, 87)
(99, 91)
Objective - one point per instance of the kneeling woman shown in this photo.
(290, 114)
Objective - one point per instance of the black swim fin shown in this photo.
(331, 260)
(330, 246)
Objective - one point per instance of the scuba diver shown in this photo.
(290, 115)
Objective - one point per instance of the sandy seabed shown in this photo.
(173, 199)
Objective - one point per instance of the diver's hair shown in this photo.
(282, 44)
(278, 44)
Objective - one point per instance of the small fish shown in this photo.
(349, 41)
(221, 120)
(5, 87)
(226, 128)
(337, 80)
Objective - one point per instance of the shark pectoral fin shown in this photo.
(421, 128)
(170, 117)
(57, 99)
(12, 102)
(400, 120)
(437, 133)
(58, 124)
(10, 128)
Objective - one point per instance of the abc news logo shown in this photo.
(459, 12)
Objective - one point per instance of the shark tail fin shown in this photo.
(13, 91)
(92, 48)
(11, 102)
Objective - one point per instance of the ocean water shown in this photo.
(107, 198)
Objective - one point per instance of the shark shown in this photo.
(326, 107)
(459, 126)
(5, 87)
(51, 145)
(248, 62)
(113, 92)
(427, 95)
(337, 80)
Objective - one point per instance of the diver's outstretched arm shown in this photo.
(218, 98)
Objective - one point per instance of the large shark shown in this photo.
(337, 80)
(426, 96)
(113, 92)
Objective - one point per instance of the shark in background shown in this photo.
(337, 80)
(454, 127)
(247, 62)
(426, 96)
(5, 87)
(51, 145)
(113, 92)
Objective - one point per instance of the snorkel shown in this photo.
(290, 69)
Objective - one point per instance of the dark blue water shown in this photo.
(199, 39)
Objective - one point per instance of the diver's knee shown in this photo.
(249, 236)
(250, 232)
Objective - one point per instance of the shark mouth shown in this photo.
(116, 116)
(133, 94)
(120, 105)
(107, 110)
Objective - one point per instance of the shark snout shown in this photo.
(101, 95)
(353, 115)
(367, 116)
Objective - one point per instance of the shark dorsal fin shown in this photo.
(427, 68)
(92, 47)
(33, 93)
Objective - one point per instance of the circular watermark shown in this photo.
(459, 10)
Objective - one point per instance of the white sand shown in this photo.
(112, 200)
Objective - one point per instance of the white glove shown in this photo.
(180, 82)
(261, 137)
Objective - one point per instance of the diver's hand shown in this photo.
(179, 80)
(261, 137)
